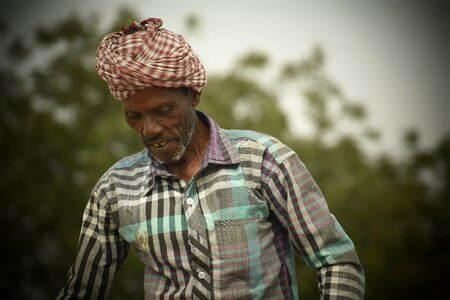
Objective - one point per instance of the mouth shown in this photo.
(158, 145)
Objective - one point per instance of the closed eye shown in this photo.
(164, 111)
(132, 116)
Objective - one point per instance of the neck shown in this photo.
(189, 164)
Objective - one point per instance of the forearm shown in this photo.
(315, 233)
(92, 274)
(341, 281)
(101, 250)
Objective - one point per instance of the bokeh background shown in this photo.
(359, 89)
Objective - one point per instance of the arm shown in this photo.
(100, 252)
(314, 233)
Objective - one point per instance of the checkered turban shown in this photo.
(145, 55)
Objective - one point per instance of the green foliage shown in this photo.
(237, 102)
(60, 130)
(253, 60)
(192, 23)
(329, 110)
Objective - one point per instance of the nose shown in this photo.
(150, 128)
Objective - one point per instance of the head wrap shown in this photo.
(145, 55)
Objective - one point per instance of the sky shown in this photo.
(391, 56)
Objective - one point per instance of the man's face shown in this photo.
(164, 118)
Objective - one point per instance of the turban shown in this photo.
(145, 55)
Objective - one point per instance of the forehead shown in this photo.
(154, 97)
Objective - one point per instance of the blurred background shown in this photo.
(359, 89)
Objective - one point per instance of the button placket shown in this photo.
(197, 240)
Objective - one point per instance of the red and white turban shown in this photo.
(145, 55)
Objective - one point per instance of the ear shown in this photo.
(195, 97)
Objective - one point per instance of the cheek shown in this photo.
(135, 125)
(177, 123)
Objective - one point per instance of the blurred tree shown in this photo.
(393, 210)
(60, 129)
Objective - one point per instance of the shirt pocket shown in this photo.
(229, 231)
(237, 245)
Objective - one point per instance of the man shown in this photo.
(212, 213)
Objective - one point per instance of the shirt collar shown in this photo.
(220, 150)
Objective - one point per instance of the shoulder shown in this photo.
(258, 141)
(127, 167)
(125, 176)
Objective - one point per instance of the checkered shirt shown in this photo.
(229, 233)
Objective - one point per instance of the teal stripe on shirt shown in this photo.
(330, 252)
(257, 285)
(290, 262)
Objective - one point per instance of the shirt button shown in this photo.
(201, 275)
(189, 201)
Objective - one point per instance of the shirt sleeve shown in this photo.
(314, 232)
(101, 250)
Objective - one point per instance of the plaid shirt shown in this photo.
(228, 233)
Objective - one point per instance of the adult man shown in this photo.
(212, 213)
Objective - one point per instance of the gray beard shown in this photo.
(186, 139)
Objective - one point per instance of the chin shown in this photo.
(171, 155)
(166, 159)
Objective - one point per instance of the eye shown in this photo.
(165, 110)
(132, 116)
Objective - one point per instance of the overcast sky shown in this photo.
(393, 56)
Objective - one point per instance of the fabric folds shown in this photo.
(145, 55)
